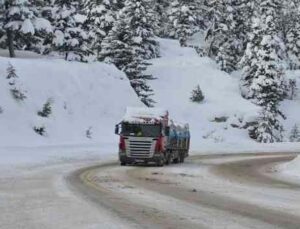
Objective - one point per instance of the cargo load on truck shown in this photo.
(147, 135)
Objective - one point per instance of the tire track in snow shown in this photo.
(246, 170)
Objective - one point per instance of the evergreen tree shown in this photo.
(47, 109)
(70, 36)
(135, 72)
(21, 21)
(117, 46)
(101, 16)
(120, 48)
(183, 16)
(3, 44)
(161, 21)
(291, 32)
(197, 95)
(263, 76)
(139, 16)
(268, 128)
(295, 134)
(15, 89)
(227, 34)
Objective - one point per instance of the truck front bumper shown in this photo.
(157, 157)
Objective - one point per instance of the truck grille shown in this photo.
(140, 147)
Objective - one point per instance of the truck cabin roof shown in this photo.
(142, 115)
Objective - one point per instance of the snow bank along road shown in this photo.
(217, 191)
(213, 191)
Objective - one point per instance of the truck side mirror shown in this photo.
(167, 131)
(117, 129)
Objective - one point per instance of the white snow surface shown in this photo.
(291, 170)
(179, 71)
(83, 96)
(89, 99)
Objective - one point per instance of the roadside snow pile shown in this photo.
(291, 169)
(48, 101)
(223, 112)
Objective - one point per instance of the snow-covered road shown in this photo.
(232, 191)
(213, 191)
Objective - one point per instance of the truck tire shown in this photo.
(181, 157)
(175, 160)
(168, 157)
(123, 163)
(160, 162)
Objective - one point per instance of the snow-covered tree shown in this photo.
(139, 16)
(183, 16)
(295, 134)
(263, 77)
(117, 45)
(160, 19)
(46, 110)
(197, 95)
(101, 16)
(135, 72)
(2, 30)
(291, 32)
(227, 34)
(268, 129)
(16, 90)
(120, 48)
(71, 37)
(21, 22)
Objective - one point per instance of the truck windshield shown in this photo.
(141, 130)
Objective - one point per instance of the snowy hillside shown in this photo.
(178, 72)
(83, 97)
(87, 100)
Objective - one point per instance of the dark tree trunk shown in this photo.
(10, 43)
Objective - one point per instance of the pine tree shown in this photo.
(135, 72)
(291, 31)
(15, 89)
(101, 16)
(197, 95)
(295, 134)
(227, 34)
(3, 43)
(268, 128)
(117, 46)
(71, 37)
(139, 16)
(161, 21)
(47, 109)
(121, 49)
(263, 75)
(183, 16)
(21, 22)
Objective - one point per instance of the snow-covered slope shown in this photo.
(178, 72)
(84, 96)
(94, 97)
(290, 170)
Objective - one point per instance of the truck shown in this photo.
(147, 135)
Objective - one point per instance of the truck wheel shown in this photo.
(160, 163)
(181, 159)
(123, 163)
(168, 158)
(175, 160)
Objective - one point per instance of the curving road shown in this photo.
(217, 191)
